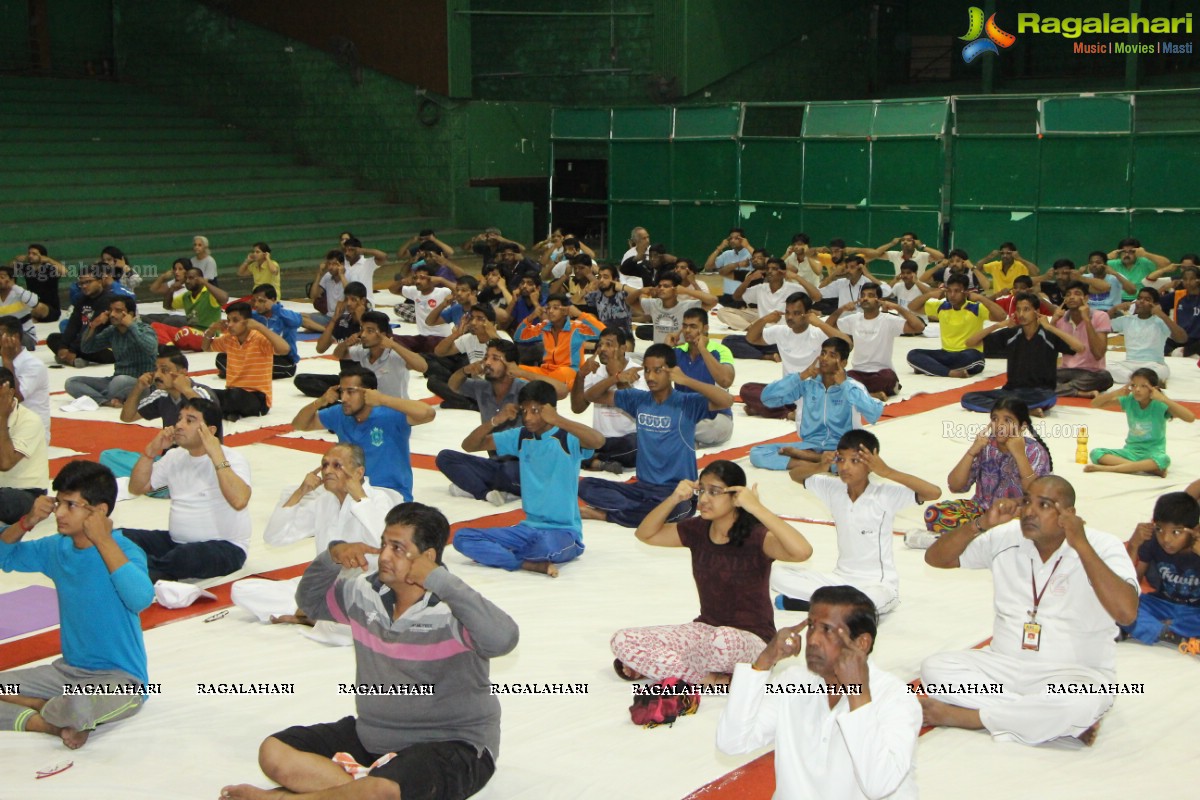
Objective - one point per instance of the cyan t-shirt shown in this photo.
(1144, 338)
(666, 433)
(383, 436)
(549, 475)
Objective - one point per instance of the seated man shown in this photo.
(202, 299)
(911, 249)
(1059, 633)
(378, 423)
(958, 316)
(562, 337)
(874, 336)
(1146, 331)
(134, 347)
(209, 528)
(1054, 283)
(490, 384)
(376, 350)
(770, 294)
(426, 291)
(270, 312)
(416, 625)
(251, 348)
(336, 500)
(906, 288)
(864, 513)
(470, 341)
(706, 361)
(1166, 554)
(847, 280)
(101, 584)
(68, 345)
(619, 451)
(664, 303)
(21, 304)
(1182, 303)
(666, 437)
(828, 741)
(1117, 284)
(1004, 265)
(1033, 346)
(832, 403)
(549, 449)
(32, 375)
(172, 387)
(344, 322)
(24, 464)
(798, 339)
(1083, 374)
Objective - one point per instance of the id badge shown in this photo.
(1033, 636)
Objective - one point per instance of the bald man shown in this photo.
(1060, 590)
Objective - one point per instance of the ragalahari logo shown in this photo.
(996, 38)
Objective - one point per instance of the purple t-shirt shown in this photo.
(733, 581)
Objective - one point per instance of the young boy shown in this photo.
(102, 585)
(863, 513)
(550, 449)
(1167, 555)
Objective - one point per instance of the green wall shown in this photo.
(1060, 176)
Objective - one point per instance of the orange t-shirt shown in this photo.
(250, 365)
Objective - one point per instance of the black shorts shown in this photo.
(428, 771)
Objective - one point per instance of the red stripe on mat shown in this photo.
(932, 400)
(757, 779)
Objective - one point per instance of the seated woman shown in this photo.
(1147, 410)
(169, 286)
(1001, 462)
(733, 541)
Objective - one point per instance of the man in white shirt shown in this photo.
(1060, 591)
(874, 324)
(850, 732)
(361, 262)
(209, 527)
(797, 339)
(845, 281)
(732, 255)
(335, 502)
(24, 465)
(427, 291)
(769, 296)
(911, 249)
(619, 452)
(906, 287)
(33, 378)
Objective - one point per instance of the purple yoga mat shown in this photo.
(28, 609)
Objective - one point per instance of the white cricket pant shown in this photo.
(801, 583)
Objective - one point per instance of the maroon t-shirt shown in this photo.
(733, 582)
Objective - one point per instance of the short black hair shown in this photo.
(561, 299)
(873, 287)
(209, 411)
(266, 290)
(266, 248)
(696, 312)
(672, 277)
(505, 348)
(1064, 262)
(800, 238)
(538, 392)
(837, 243)
(364, 375)
(508, 247)
(1150, 290)
(355, 289)
(353, 241)
(1128, 242)
(380, 320)
(241, 308)
(125, 300)
(335, 255)
(1028, 297)
(908, 265)
(430, 526)
(41, 248)
(470, 281)
(426, 267)
(856, 438)
(1027, 282)
(1080, 285)
(6, 376)
(861, 615)
(958, 251)
(958, 279)
(799, 297)
(663, 351)
(855, 258)
(93, 481)
(621, 335)
(485, 309)
(174, 355)
(840, 345)
(11, 325)
(1177, 508)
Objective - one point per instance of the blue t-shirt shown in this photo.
(698, 370)
(98, 610)
(383, 436)
(549, 475)
(1106, 300)
(283, 323)
(452, 313)
(1174, 577)
(666, 433)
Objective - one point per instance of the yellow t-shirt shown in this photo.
(261, 273)
(1001, 280)
(958, 326)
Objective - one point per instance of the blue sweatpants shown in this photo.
(766, 456)
(508, 548)
(939, 362)
(628, 504)
(1153, 611)
(479, 475)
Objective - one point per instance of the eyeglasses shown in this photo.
(711, 491)
(71, 505)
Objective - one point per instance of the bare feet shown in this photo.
(1093, 468)
(1037, 412)
(588, 512)
(1088, 737)
(791, 415)
(939, 714)
(74, 739)
(1090, 395)
(244, 791)
(115, 403)
(880, 396)
(299, 618)
(717, 679)
(628, 673)
(958, 373)
(544, 567)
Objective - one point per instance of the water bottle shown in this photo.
(1081, 446)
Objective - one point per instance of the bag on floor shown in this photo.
(663, 702)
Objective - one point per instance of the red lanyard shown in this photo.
(1037, 596)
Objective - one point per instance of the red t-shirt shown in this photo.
(733, 581)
